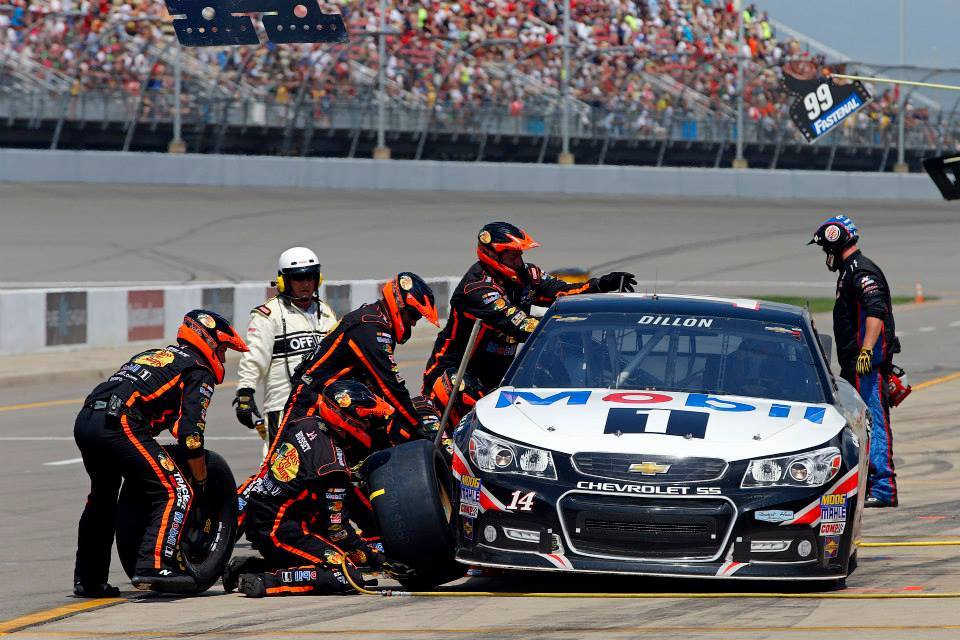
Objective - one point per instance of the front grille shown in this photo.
(616, 465)
(647, 528)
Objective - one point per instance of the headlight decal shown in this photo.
(846, 486)
(497, 455)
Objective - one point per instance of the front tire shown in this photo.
(412, 502)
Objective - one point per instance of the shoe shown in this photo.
(252, 585)
(163, 580)
(237, 566)
(873, 502)
(104, 590)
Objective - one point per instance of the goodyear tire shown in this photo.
(205, 552)
(411, 498)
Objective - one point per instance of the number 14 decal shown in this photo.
(522, 501)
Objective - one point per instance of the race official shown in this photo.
(156, 390)
(499, 289)
(281, 332)
(865, 334)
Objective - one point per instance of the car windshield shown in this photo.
(703, 354)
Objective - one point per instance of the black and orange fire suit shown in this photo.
(156, 390)
(298, 515)
(504, 312)
(360, 348)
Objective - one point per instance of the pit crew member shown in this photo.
(499, 289)
(158, 389)
(298, 511)
(864, 331)
(281, 332)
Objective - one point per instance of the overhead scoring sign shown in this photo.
(212, 23)
(819, 105)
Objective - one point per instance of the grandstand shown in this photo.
(653, 82)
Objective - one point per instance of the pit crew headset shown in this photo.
(495, 238)
(406, 299)
(211, 335)
(834, 235)
(353, 412)
(296, 261)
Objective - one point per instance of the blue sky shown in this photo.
(868, 29)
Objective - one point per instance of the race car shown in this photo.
(662, 435)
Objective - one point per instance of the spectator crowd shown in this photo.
(635, 64)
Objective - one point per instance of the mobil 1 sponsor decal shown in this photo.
(819, 103)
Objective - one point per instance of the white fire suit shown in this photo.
(280, 334)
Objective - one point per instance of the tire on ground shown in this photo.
(414, 512)
(206, 553)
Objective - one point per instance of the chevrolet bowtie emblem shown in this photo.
(648, 468)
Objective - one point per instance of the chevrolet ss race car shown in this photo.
(653, 435)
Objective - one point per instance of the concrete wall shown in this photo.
(18, 165)
(38, 320)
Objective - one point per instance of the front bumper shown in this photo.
(582, 523)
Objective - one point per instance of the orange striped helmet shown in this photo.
(211, 334)
(408, 298)
(353, 412)
(497, 237)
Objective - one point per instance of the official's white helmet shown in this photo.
(295, 261)
(298, 260)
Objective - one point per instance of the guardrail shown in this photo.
(62, 318)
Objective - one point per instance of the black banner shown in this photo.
(819, 105)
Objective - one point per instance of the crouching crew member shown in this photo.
(297, 509)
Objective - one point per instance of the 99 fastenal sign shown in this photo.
(819, 105)
(214, 23)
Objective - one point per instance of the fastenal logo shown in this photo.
(648, 468)
(835, 117)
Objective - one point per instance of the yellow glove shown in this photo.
(864, 361)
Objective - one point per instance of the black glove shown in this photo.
(200, 507)
(617, 281)
(368, 557)
(247, 408)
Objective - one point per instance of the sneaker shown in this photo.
(252, 585)
(164, 580)
(104, 590)
(873, 502)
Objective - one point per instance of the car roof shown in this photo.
(681, 305)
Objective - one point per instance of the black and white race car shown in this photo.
(658, 435)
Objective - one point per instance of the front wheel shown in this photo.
(207, 546)
(412, 502)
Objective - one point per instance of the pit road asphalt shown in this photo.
(702, 246)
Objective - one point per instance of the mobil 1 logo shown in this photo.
(819, 105)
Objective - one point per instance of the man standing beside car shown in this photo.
(864, 330)
(281, 332)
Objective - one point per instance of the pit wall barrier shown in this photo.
(66, 318)
(106, 167)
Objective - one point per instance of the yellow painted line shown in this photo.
(929, 383)
(925, 543)
(57, 613)
(41, 405)
(499, 631)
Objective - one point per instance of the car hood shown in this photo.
(664, 423)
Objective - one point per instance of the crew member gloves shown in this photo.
(617, 281)
(247, 408)
(864, 361)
